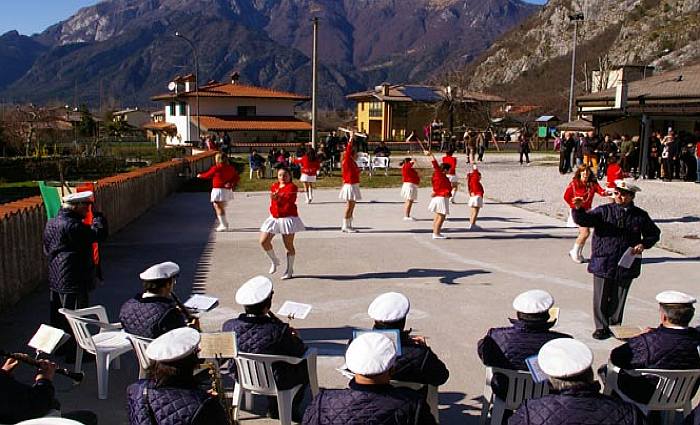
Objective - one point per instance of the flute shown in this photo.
(191, 318)
(25, 358)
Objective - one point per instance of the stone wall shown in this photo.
(122, 198)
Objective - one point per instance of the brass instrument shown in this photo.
(217, 388)
(25, 358)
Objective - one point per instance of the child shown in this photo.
(409, 190)
(476, 195)
(452, 172)
(442, 190)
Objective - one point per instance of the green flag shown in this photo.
(52, 198)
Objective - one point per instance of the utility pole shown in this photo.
(196, 82)
(314, 83)
(575, 19)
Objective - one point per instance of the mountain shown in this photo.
(532, 62)
(17, 55)
(125, 50)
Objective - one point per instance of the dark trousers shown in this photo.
(609, 297)
(71, 302)
(527, 157)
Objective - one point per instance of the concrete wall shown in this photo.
(122, 198)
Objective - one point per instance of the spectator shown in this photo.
(669, 156)
(589, 147)
(697, 155)
(257, 164)
(480, 146)
(524, 148)
(653, 164)
(382, 150)
(626, 148)
(568, 145)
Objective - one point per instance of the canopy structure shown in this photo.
(576, 125)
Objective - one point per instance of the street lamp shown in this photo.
(575, 18)
(196, 78)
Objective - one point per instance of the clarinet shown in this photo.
(191, 318)
(25, 358)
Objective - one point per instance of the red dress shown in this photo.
(578, 189)
(453, 164)
(441, 184)
(614, 172)
(474, 184)
(308, 167)
(222, 176)
(409, 174)
(286, 203)
(351, 172)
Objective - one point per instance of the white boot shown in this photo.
(350, 228)
(575, 253)
(311, 195)
(580, 254)
(345, 226)
(273, 260)
(223, 224)
(307, 197)
(290, 268)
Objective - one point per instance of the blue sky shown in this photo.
(32, 16)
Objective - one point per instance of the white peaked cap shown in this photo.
(164, 270)
(370, 354)
(174, 345)
(254, 291)
(78, 197)
(389, 307)
(627, 185)
(674, 297)
(533, 302)
(564, 357)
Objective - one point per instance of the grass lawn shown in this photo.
(13, 191)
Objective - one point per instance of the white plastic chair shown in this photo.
(139, 344)
(255, 376)
(107, 345)
(674, 391)
(380, 162)
(362, 161)
(431, 398)
(521, 387)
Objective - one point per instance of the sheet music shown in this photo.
(201, 302)
(626, 332)
(628, 259)
(294, 310)
(47, 339)
(218, 344)
(393, 334)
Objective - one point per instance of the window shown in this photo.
(246, 111)
(172, 109)
(362, 106)
(375, 109)
(183, 109)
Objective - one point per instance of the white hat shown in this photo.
(78, 197)
(254, 291)
(389, 307)
(533, 302)
(164, 270)
(564, 357)
(370, 354)
(627, 185)
(674, 297)
(174, 345)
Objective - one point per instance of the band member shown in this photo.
(584, 186)
(309, 170)
(154, 312)
(173, 396)
(350, 192)
(224, 180)
(409, 189)
(442, 190)
(451, 172)
(614, 171)
(283, 220)
(476, 195)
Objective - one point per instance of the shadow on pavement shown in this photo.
(657, 260)
(445, 276)
(685, 219)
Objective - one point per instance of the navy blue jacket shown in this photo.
(20, 402)
(660, 348)
(68, 246)
(576, 406)
(616, 229)
(267, 335)
(149, 405)
(368, 405)
(151, 317)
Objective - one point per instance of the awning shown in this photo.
(165, 127)
(576, 125)
(235, 123)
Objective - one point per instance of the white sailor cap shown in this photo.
(533, 302)
(389, 307)
(78, 197)
(564, 357)
(370, 354)
(174, 345)
(254, 291)
(675, 297)
(627, 185)
(164, 270)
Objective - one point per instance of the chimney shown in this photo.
(621, 95)
(235, 77)
(385, 89)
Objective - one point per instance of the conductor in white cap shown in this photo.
(154, 312)
(574, 396)
(259, 331)
(673, 345)
(508, 347)
(68, 248)
(619, 227)
(417, 362)
(369, 398)
(172, 395)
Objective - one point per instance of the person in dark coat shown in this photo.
(258, 331)
(565, 153)
(369, 398)
(524, 149)
(68, 248)
(172, 396)
(574, 397)
(507, 348)
(620, 227)
(417, 362)
(154, 312)
(671, 346)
